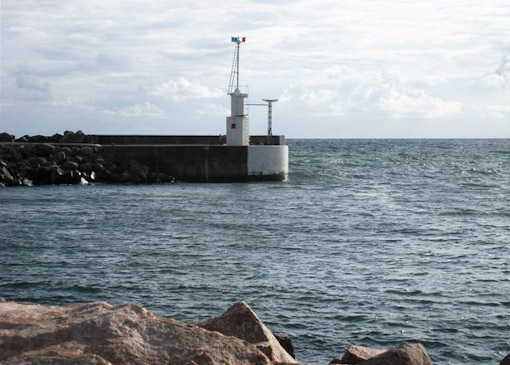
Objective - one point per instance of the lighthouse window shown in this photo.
(233, 126)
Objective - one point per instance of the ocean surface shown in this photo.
(369, 242)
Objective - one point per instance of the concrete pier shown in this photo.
(201, 158)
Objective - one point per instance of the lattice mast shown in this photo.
(270, 116)
(234, 73)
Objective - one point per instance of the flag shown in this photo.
(238, 39)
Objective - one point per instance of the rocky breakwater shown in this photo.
(71, 158)
(99, 333)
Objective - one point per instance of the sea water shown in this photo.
(369, 242)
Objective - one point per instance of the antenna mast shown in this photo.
(234, 74)
(270, 116)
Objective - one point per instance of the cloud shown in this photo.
(327, 62)
(399, 102)
(145, 109)
(499, 111)
(30, 88)
(381, 94)
(182, 89)
(213, 109)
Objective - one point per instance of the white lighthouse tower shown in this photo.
(238, 133)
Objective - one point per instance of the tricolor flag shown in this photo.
(238, 39)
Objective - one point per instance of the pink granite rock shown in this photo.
(241, 321)
(98, 333)
(406, 354)
(356, 354)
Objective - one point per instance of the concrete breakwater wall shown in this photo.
(76, 158)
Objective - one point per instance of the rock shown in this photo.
(37, 161)
(406, 354)
(69, 165)
(506, 360)
(98, 333)
(70, 177)
(59, 157)
(56, 138)
(6, 137)
(38, 139)
(85, 151)
(241, 321)
(286, 343)
(71, 137)
(44, 149)
(356, 354)
(137, 171)
(6, 178)
(22, 139)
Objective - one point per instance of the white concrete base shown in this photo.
(268, 160)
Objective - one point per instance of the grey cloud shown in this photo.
(24, 81)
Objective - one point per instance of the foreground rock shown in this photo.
(98, 333)
(356, 354)
(241, 322)
(506, 360)
(406, 354)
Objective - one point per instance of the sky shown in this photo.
(339, 68)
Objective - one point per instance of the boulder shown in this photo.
(356, 354)
(406, 354)
(56, 138)
(44, 149)
(99, 333)
(71, 137)
(86, 151)
(6, 137)
(137, 171)
(286, 343)
(506, 360)
(38, 139)
(241, 321)
(6, 178)
(69, 165)
(59, 157)
(22, 139)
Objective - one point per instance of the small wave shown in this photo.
(85, 289)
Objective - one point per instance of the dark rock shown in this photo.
(98, 333)
(38, 139)
(286, 343)
(70, 177)
(44, 149)
(86, 151)
(506, 360)
(59, 157)
(69, 165)
(22, 139)
(17, 155)
(241, 321)
(26, 150)
(71, 137)
(356, 354)
(406, 354)
(137, 171)
(37, 161)
(6, 137)
(56, 138)
(6, 178)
